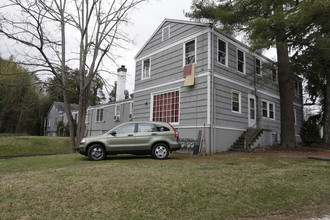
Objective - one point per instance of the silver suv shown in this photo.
(139, 138)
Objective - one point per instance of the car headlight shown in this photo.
(83, 141)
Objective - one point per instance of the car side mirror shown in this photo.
(113, 133)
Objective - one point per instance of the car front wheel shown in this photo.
(160, 151)
(96, 152)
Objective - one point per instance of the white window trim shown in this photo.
(96, 115)
(244, 63)
(268, 109)
(162, 92)
(142, 68)
(226, 59)
(169, 32)
(239, 102)
(184, 51)
(255, 66)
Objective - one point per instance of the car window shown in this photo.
(161, 128)
(146, 127)
(124, 129)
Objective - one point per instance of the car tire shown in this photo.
(96, 152)
(160, 151)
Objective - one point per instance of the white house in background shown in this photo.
(200, 79)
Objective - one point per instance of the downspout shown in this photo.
(213, 96)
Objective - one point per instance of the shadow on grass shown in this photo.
(133, 157)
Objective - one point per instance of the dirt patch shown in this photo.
(321, 150)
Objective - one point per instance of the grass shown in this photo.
(31, 145)
(182, 187)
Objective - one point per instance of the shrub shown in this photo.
(310, 131)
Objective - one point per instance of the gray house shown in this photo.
(55, 115)
(200, 79)
(100, 118)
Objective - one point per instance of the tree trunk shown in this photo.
(286, 96)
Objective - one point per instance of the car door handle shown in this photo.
(130, 135)
(153, 134)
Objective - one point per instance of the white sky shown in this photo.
(145, 19)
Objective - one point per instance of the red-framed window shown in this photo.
(166, 107)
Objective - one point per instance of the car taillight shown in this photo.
(175, 133)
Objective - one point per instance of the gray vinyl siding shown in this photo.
(177, 30)
(167, 65)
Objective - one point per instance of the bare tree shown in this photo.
(98, 22)
(40, 26)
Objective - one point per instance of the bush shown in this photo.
(310, 131)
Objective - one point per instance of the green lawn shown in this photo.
(30, 145)
(182, 187)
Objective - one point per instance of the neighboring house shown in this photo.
(100, 118)
(55, 114)
(200, 79)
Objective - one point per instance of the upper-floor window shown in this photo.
(236, 101)
(99, 115)
(258, 66)
(240, 61)
(189, 52)
(166, 107)
(222, 52)
(146, 68)
(274, 75)
(166, 33)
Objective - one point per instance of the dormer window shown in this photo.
(258, 67)
(165, 33)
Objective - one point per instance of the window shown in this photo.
(258, 67)
(124, 129)
(165, 33)
(189, 53)
(75, 116)
(117, 110)
(297, 88)
(274, 75)
(252, 109)
(268, 109)
(222, 52)
(240, 61)
(166, 107)
(146, 68)
(99, 115)
(146, 127)
(236, 101)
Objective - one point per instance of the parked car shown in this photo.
(139, 138)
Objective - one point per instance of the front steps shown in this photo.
(246, 140)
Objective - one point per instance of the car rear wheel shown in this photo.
(160, 151)
(96, 152)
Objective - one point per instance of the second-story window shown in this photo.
(146, 68)
(274, 75)
(190, 52)
(258, 67)
(222, 52)
(240, 61)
